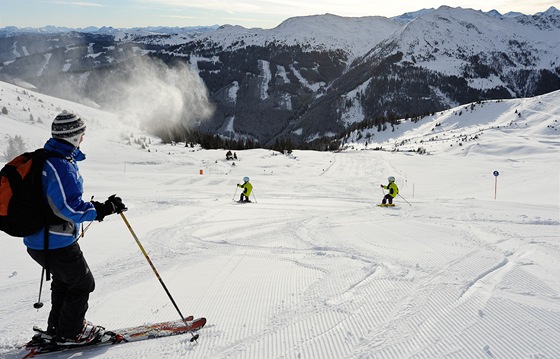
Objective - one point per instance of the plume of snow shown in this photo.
(159, 97)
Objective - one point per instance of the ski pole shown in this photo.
(382, 190)
(405, 200)
(254, 196)
(39, 304)
(194, 337)
(84, 230)
(233, 198)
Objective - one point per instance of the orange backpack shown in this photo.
(23, 209)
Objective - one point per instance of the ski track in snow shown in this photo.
(383, 301)
(339, 279)
(313, 269)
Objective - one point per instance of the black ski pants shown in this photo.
(72, 282)
(387, 199)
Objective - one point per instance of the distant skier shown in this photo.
(247, 188)
(393, 191)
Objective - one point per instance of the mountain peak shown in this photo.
(551, 11)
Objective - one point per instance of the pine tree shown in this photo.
(16, 146)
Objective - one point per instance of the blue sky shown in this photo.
(247, 13)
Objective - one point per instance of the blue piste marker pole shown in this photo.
(496, 174)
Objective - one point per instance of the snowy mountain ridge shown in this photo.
(355, 36)
(317, 32)
(474, 33)
(311, 77)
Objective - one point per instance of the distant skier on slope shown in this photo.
(55, 247)
(247, 189)
(393, 191)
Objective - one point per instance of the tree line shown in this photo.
(210, 140)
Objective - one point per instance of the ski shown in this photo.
(121, 336)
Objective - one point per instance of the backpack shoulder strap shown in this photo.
(42, 154)
(46, 153)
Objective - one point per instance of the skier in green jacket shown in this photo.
(247, 188)
(393, 191)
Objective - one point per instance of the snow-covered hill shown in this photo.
(531, 125)
(325, 32)
(465, 266)
(451, 38)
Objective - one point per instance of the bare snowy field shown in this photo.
(312, 268)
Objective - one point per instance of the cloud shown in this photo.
(289, 7)
(345, 8)
(78, 3)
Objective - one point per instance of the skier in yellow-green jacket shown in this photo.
(393, 191)
(247, 188)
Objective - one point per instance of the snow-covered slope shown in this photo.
(522, 126)
(312, 269)
(355, 36)
(446, 40)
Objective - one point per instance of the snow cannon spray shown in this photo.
(160, 98)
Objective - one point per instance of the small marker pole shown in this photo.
(496, 174)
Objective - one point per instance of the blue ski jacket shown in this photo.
(63, 189)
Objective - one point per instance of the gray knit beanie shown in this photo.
(68, 127)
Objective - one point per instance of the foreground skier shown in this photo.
(55, 247)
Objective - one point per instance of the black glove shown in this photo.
(117, 203)
(103, 209)
(112, 205)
